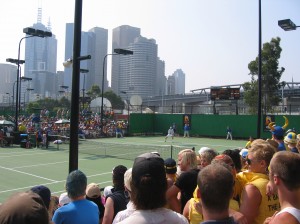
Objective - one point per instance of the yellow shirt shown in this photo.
(269, 204)
(195, 215)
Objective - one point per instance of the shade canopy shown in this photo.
(6, 122)
(62, 121)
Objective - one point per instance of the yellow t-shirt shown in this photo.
(195, 215)
(269, 204)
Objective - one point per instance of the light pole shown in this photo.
(8, 94)
(117, 51)
(259, 72)
(83, 71)
(30, 32)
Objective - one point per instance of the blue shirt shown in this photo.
(77, 212)
(281, 147)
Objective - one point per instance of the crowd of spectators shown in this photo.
(257, 185)
(42, 124)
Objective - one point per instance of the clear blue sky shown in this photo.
(212, 41)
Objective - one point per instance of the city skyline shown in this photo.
(211, 41)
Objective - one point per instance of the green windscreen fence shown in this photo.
(242, 126)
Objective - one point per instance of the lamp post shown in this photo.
(8, 94)
(259, 72)
(117, 51)
(30, 32)
(83, 71)
(287, 25)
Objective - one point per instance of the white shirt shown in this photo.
(155, 216)
(125, 213)
(293, 211)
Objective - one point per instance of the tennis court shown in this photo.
(23, 168)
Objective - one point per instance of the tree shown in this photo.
(94, 92)
(116, 101)
(271, 76)
(50, 104)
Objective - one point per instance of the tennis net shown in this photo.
(124, 150)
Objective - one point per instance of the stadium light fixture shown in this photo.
(117, 51)
(287, 24)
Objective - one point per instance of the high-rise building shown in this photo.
(94, 43)
(138, 72)
(69, 38)
(176, 83)
(122, 37)
(8, 81)
(41, 60)
(101, 40)
(161, 79)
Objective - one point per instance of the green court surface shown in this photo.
(23, 168)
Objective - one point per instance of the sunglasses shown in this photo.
(249, 161)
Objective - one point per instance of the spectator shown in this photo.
(93, 194)
(130, 208)
(107, 191)
(215, 184)
(234, 154)
(186, 182)
(284, 176)
(148, 193)
(193, 208)
(255, 204)
(79, 210)
(278, 134)
(248, 144)
(243, 155)
(63, 199)
(44, 192)
(171, 169)
(117, 200)
(207, 156)
(291, 141)
(54, 204)
(24, 208)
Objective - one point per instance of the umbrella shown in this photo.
(6, 122)
(62, 121)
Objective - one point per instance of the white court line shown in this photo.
(27, 154)
(55, 182)
(29, 174)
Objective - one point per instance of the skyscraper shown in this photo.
(139, 71)
(176, 83)
(101, 39)
(122, 37)
(94, 43)
(161, 79)
(41, 59)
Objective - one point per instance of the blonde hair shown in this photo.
(188, 157)
(262, 151)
